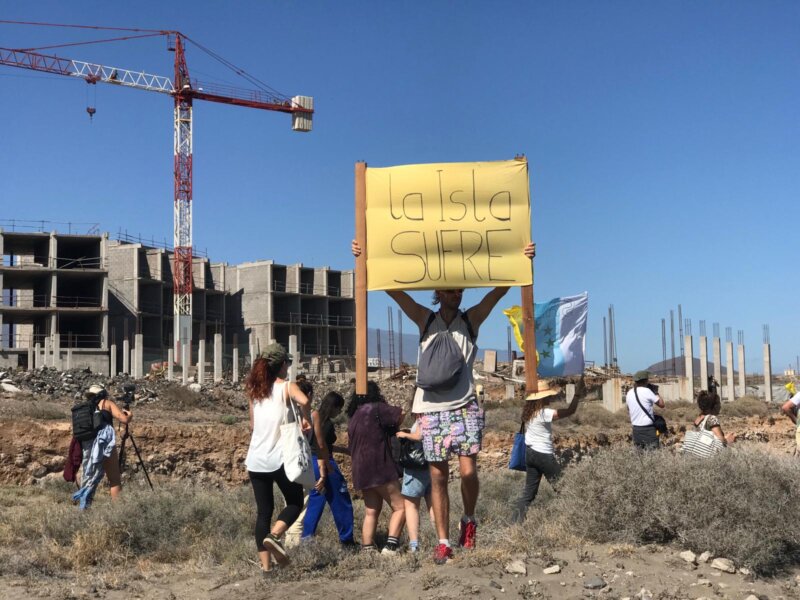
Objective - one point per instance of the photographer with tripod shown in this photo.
(100, 454)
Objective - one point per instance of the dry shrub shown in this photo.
(25, 405)
(176, 523)
(679, 412)
(746, 406)
(739, 504)
(592, 416)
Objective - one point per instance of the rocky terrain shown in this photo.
(201, 435)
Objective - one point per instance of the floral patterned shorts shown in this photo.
(458, 432)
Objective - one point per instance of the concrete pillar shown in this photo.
(185, 358)
(201, 362)
(57, 351)
(126, 356)
(689, 366)
(69, 358)
(252, 348)
(293, 352)
(235, 376)
(510, 391)
(612, 395)
(37, 356)
(31, 357)
(170, 362)
(731, 392)
(112, 365)
(217, 357)
(717, 353)
(47, 356)
(767, 373)
(138, 352)
(570, 392)
(742, 372)
(703, 363)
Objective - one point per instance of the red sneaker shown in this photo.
(441, 554)
(468, 532)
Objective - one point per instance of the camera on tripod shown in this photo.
(128, 395)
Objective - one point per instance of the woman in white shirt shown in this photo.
(537, 419)
(269, 394)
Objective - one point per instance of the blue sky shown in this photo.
(662, 139)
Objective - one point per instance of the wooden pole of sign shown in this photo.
(529, 339)
(361, 278)
(529, 331)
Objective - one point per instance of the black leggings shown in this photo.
(262, 488)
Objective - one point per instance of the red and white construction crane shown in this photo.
(184, 90)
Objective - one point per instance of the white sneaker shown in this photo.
(389, 552)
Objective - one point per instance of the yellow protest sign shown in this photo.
(448, 225)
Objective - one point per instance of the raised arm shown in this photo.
(412, 309)
(580, 392)
(478, 313)
(123, 416)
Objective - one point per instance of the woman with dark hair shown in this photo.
(372, 423)
(335, 493)
(270, 398)
(540, 459)
(709, 404)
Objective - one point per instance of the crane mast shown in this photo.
(182, 238)
(184, 91)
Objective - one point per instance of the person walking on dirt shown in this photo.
(269, 394)
(451, 421)
(335, 493)
(540, 459)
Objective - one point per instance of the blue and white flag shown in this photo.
(560, 333)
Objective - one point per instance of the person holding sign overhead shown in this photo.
(451, 420)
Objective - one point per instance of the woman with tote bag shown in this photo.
(276, 406)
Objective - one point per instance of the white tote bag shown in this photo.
(701, 442)
(295, 450)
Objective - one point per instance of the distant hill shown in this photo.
(665, 367)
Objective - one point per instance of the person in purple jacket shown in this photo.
(375, 474)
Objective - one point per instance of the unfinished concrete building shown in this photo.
(276, 301)
(54, 304)
(100, 293)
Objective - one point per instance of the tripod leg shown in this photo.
(141, 462)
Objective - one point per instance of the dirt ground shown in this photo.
(207, 445)
(624, 571)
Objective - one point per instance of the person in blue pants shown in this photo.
(335, 493)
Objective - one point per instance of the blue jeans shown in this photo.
(337, 496)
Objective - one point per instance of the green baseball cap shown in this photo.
(641, 375)
(276, 355)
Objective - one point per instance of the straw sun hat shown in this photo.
(545, 390)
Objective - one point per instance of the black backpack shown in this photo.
(87, 420)
(441, 362)
(412, 456)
